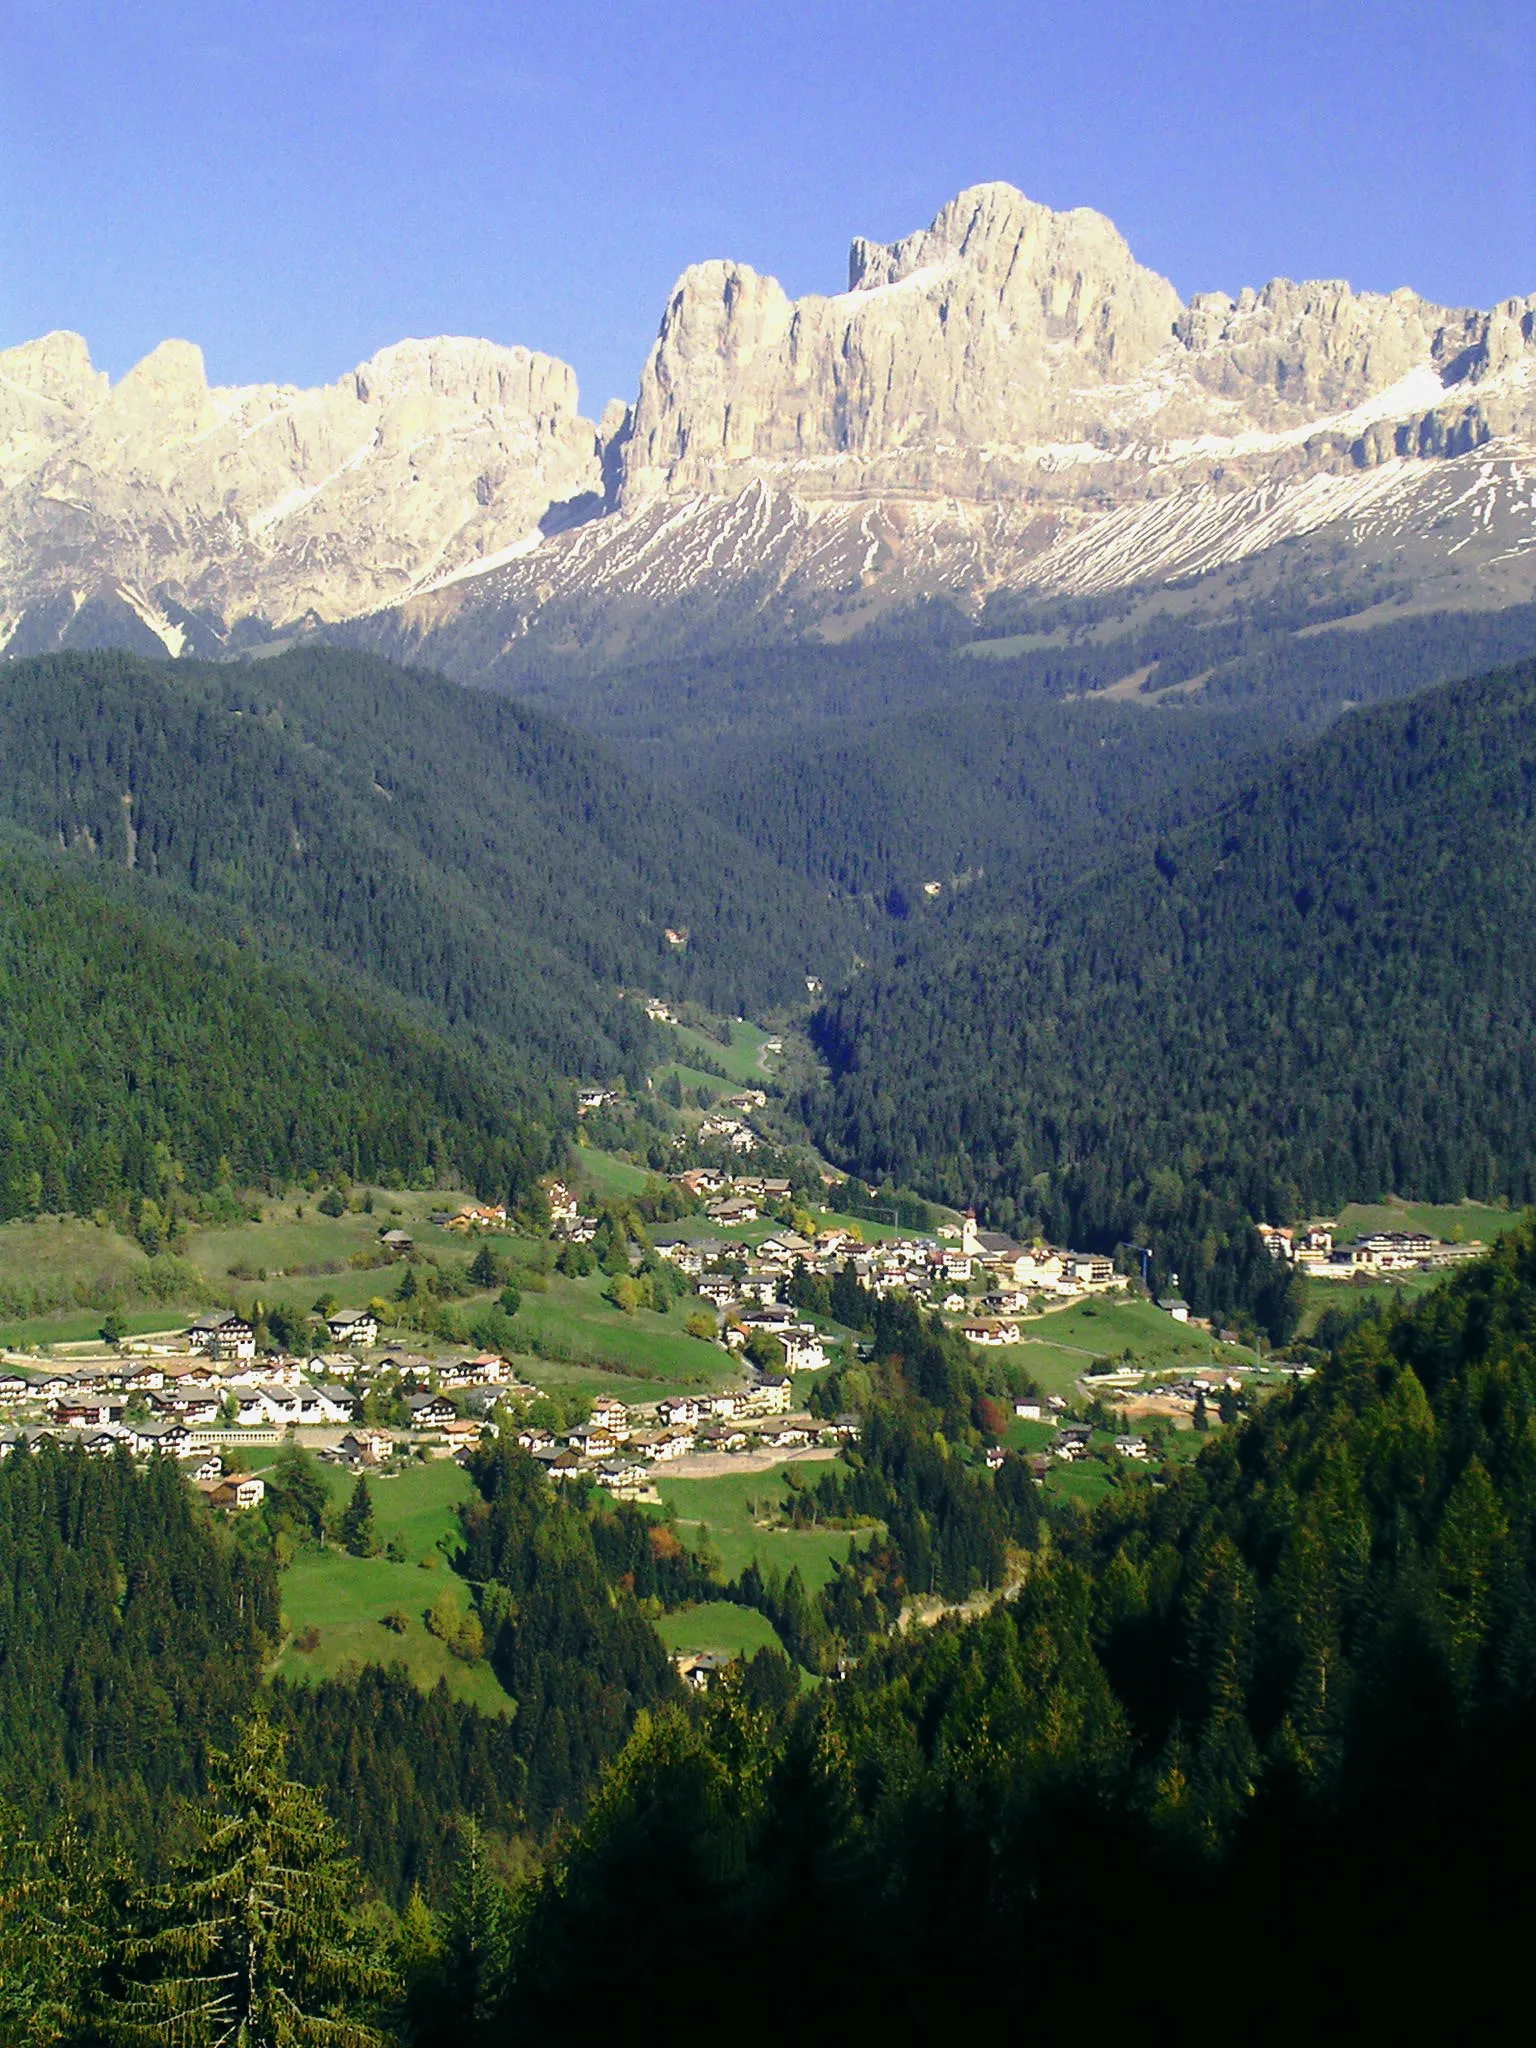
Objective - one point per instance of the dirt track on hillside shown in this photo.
(717, 1464)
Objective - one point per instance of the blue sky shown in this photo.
(295, 185)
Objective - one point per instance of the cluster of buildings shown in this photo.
(1314, 1251)
(621, 1445)
(1012, 1277)
(185, 1399)
(1074, 1441)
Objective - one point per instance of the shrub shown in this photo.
(443, 1618)
(469, 1640)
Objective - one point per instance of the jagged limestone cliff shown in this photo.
(1007, 351)
(164, 500)
(1005, 398)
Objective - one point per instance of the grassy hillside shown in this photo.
(1321, 993)
(333, 1605)
(738, 1512)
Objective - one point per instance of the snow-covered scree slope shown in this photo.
(706, 569)
(1002, 400)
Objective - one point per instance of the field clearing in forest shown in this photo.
(725, 1507)
(721, 1628)
(343, 1599)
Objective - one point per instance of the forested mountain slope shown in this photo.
(1323, 992)
(1029, 795)
(137, 1055)
(130, 1634)
(1285, 1695)
(466, 851)
(135, 1629)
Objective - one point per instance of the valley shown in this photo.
(768, 1167)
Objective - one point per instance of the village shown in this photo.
(1375, 1253)
(204, 1395)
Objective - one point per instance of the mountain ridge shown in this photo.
(1004, 399)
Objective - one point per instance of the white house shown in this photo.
(292, 1407)
(353, 1326)
(223, 1335)
(990, 1330)
(365, 1447)
(612, 1415)
(769, 1397)
(241, 1491)
(803, 1351)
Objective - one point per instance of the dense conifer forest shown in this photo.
(138, 1056)
(1321, 992)
(132, 1635)
(467, 852)
(1027, 795)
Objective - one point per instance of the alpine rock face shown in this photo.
(1005, 400)
(159, 511)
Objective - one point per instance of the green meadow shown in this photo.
(720, 1628)
(731, 1510)
(1352, 1295)
(1028, 1437)
(746, 1062)
(571, 1318)
(65, 1248)
(1457, 1222)
(1085, 1481)
(344, 1599)
(609, 1177)
(1056, 1349)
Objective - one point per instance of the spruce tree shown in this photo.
(485, 1267)
(253, 1943)
(60, 1902)
(476, 1935)
(357, 1528)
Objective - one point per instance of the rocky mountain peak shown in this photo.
(174, 499)
(1004, 397)
(55, 368)
(171, 374)
(46, 387)
(948, 342)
